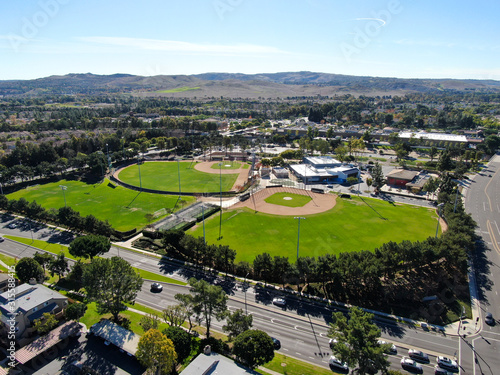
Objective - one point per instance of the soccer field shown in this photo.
(352, 225)
(165, 176)
(124, 209)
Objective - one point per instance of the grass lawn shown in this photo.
(294, 366)
(164, 176)
(296, 200)
(124, 209)
(226, 165)
(352, 225)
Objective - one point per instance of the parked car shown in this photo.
(447, 363)
(418, 355)
(334, 362)
(332, 342)
(156, 287)
(12, 226)
(392, 349)
(441, 371)
(277, 343)
(278, 301)
(488, 318)
(410, 365)
(2, 239)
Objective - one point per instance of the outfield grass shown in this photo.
(125, 209)
(352, 225)
(164, 176)
(226, 165)
(297, 200)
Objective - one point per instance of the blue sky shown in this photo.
(389, 38)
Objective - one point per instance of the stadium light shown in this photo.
(63, 188)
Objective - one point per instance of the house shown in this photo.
(28, 302)
(323, 170)
(400, 177)
(4, 282)
(122, 338)
(214, 363)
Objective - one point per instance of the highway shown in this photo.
(480, 353)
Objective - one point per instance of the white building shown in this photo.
(323, 170)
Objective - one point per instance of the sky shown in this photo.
(382, 38)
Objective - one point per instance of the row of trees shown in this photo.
(64, 216)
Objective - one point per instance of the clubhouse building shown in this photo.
(323, 170)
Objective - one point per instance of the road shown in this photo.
(479, 353)
(301, 327)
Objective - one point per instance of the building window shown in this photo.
(34, 309)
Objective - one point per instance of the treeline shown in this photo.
(64, 216)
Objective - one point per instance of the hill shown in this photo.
(265, 85)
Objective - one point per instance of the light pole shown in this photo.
(139, 166)
(203, 215)
(63, 188)
(220, 188)
(298, 234)
(179, 177)
(107, 154)
(246, 287)
(439, 215)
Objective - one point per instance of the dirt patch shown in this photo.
(319, 203)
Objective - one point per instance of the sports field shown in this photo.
(351, 225)
(226, 165)
(124, 209)
(165, 176)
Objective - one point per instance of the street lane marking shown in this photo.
(492, 236)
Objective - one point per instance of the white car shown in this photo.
(392, 349)
(278, 301)
(410, 365)
(447, 363)
(418, 355)
(334, 362)
(2, 239)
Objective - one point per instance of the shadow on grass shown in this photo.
(365, 202)
(133, 200)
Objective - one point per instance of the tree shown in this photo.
(444, 163)
(89, 246)
(181, 340)
(377, 177)
(263, 266)
(149, 321)
(75, 311)
(43, 259)
(156, 352)
(237, 323)
(433, 152)
(340, 153)
(111, 283)
(58, 265)
(45, 324)
(187, 303)
(208, 301)
(175, 315)
(254, 347)
(356, 341)
(28, 268)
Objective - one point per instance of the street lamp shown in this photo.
(63, 188)
(298, 234)
(139, 166)
(439, 215)
(246, 287)
(220, 188)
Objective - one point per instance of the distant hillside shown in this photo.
(237, 85)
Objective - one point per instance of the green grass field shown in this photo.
(226, 165)
(124, 208)
(296, 201)
(164, 176)
(178, 89)
(351, 225)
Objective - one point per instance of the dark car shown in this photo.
(418, 355)
(277, 343)
(488, 318)
(156, 287)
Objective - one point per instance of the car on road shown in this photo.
(332, 342)
(409, 364)
(392, 349)
(488, 318)
(447, 363)
(278, 301)
(276, 343)
(2, 239)
(156, 287)
(441, 371)
(337, 364)
(12, 226)
(418, 355)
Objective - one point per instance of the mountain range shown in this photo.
(265, 85)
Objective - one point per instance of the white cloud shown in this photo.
(178, 46)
